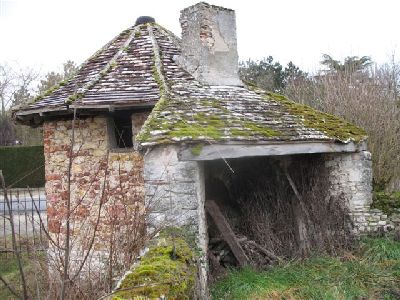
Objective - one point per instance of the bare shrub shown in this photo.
(270, 213)
(369, 100)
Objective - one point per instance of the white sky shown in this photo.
(45, 33)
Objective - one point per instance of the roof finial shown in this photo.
(144, 20)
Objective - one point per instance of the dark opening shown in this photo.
(123, 130)
(268, 217)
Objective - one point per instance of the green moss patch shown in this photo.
(261, 130)
(168, 269)
(389, 203)
(196, 150)
(152, 122)
(200, 124)
(51, 90)
(157, 78)
(331, 125)
(192, 124)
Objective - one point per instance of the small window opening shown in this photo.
(122, 129)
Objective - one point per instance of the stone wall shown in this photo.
(350, 175)
(107, 189)
(209, 47)
(175, 196)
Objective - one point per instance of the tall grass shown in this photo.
(371, 272)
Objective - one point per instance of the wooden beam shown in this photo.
(292, 184)
(40, 110)
(117, 106)
(226, 231)
(232, 150)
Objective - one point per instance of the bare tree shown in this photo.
(16, 88)
(6, 84)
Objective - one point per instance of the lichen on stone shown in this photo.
(167, 270)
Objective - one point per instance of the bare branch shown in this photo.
(14, 242)
(68, 226)
(9, 287)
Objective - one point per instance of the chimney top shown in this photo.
(209, 50)
(202, 5)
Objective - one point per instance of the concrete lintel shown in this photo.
(218, 151)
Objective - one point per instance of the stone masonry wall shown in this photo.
(171, 188)
(351, 176)
(175, 195)
(107, 188)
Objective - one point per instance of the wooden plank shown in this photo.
(301, 214)
(226, 231)
(236, 150)
(292, 184)
(268, 253)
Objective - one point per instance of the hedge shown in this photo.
(22, 166)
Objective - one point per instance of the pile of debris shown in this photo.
(230, 250)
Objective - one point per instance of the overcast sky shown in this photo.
(45, 33)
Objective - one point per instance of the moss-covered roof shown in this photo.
(219, 114)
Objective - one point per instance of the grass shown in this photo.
(370, 272)
(9, 271)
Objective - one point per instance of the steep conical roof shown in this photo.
(139, 69)
(121, 74)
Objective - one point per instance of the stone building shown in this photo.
(155, 114)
